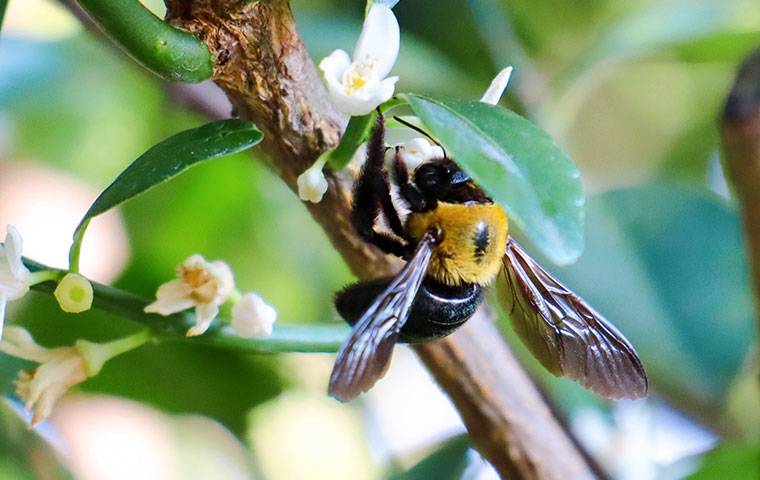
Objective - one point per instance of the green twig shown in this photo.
(167, 51)
(356, 132)
(284, 338)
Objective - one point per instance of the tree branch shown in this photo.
(740, 134)
(264, 69)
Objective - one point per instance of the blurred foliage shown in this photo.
(448, 462)
(734, 462)
(23, 454)
(630, 89)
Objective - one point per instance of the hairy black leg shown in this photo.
(409, 191)
(371, 193)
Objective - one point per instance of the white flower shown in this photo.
(201, 284)
(496, 89)
(357, 86)
(74, 293)
(312, 183)
(252, 317)
(60, 368)
(419, 150)
(14, 276)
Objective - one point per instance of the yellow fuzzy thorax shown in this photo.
(474, 241)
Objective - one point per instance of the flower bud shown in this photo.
(496, 89)
(252, 317)
(312, 183)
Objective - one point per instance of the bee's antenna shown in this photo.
(419, 130)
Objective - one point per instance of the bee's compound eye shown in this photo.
(429, 176)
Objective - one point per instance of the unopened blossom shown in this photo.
(419, 150)
(252, 317)
(74, 293)
(200, 284)
(14, 276)
(312, 183)
(60, 368)
(498, 85)
(358, 85)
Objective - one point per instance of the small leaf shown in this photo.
(166, 160)
(516, 163)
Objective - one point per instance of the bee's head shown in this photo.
(435, 179)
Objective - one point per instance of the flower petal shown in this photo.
(378, 43)
(225, 279)
(14, 245)
(205, 313)
(171, 297)
(365, 100)
(334, 65)
(351, 105)
(496, 89)
(19, 343)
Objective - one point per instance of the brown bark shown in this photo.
(740, 133)
(268, 77)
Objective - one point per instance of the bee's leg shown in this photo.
(371, 193)
(409, 191)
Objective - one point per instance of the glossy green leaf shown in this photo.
(167, 51)
(166, 160)
(516, 163)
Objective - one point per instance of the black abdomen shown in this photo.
(437, 311)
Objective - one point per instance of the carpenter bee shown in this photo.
(455, 242)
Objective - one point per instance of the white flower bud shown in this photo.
(498, 85)
(252, 317)
(312, 183)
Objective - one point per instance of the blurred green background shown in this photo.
(633, 90)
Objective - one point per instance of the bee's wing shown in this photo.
(366, 355)
(566, 335)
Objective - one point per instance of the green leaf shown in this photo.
(518, 164)
(165, 50)
(448, 462)
(166, 160)
(730, 462)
